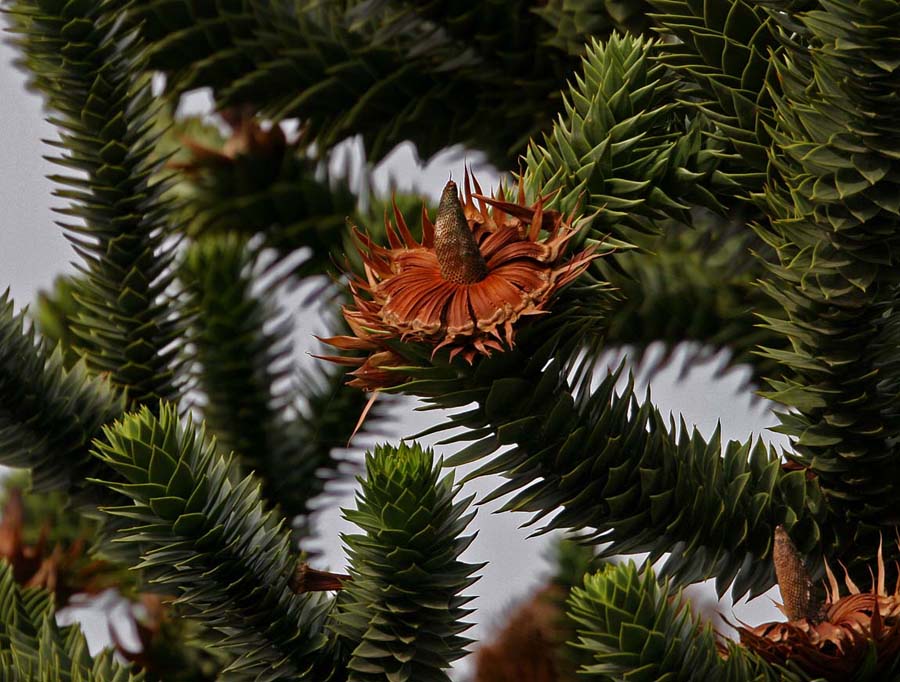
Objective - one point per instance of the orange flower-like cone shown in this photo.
(833, 642)
(476, 273)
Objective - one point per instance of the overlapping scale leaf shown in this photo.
(723, 51)
(48, 415)
(207, 536)
(401, 615)
(834, 208)
(34, 648)
(637, 629)
(54, 314)
(572, 23)
(596, 458)
(87, 69)
(621, 146)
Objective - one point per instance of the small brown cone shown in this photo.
(794, 581)
(457, 251)
(308, 579)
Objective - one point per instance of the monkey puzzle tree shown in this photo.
(722, 171)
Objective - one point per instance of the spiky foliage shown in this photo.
(621, 147)
(258, 182)
(834, 207)
(245, 377)
(636, 628)
(240, 361)
(33, 647)
(49, 415)
(400, 616)
(575, 22)
(390, 71)
(209, 537)
(695, 284)
(722, 52)
(594, 457)
(55, 314)
(86, 67)
(790, 102)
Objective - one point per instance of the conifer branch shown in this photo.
(400, 617)
(86, 67)
(48, 415)
(597, 458)
(722, 52)
(244, 372)
(634, 627)
(34, 647)
(208, 536)
(834, 224)
(691, 284)
(368, 68)
(621, 147)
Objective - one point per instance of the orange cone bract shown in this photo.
(477, 272)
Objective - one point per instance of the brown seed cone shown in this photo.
(858, 631)
(472, 279)
(794, 581)
(457, 252)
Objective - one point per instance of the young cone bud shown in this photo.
(793, 579)
(457, 252)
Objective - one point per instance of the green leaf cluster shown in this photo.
(734, 161)
(638, 629)
(834, 207)
(400, 615)
(388, 71)
(33, 648)
(621, 146)
(207, 536)
(87, 68)
(584, 456)
(48, 415)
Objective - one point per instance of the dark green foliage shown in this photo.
(636, 629)
(49, 415)
(33, 648)
(834, 202)
(400, 616)
(209, 538)
(245, 374)
(389, 71)
(621, 146)
(259, 183)
(590, 458)
(240, 361)
(722, 50)
(739, 175)
(575, 22)
(85, 66)
(695, 284)
(55, 314)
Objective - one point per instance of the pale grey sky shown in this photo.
(33, 252)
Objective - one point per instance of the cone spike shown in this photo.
(457, 252)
